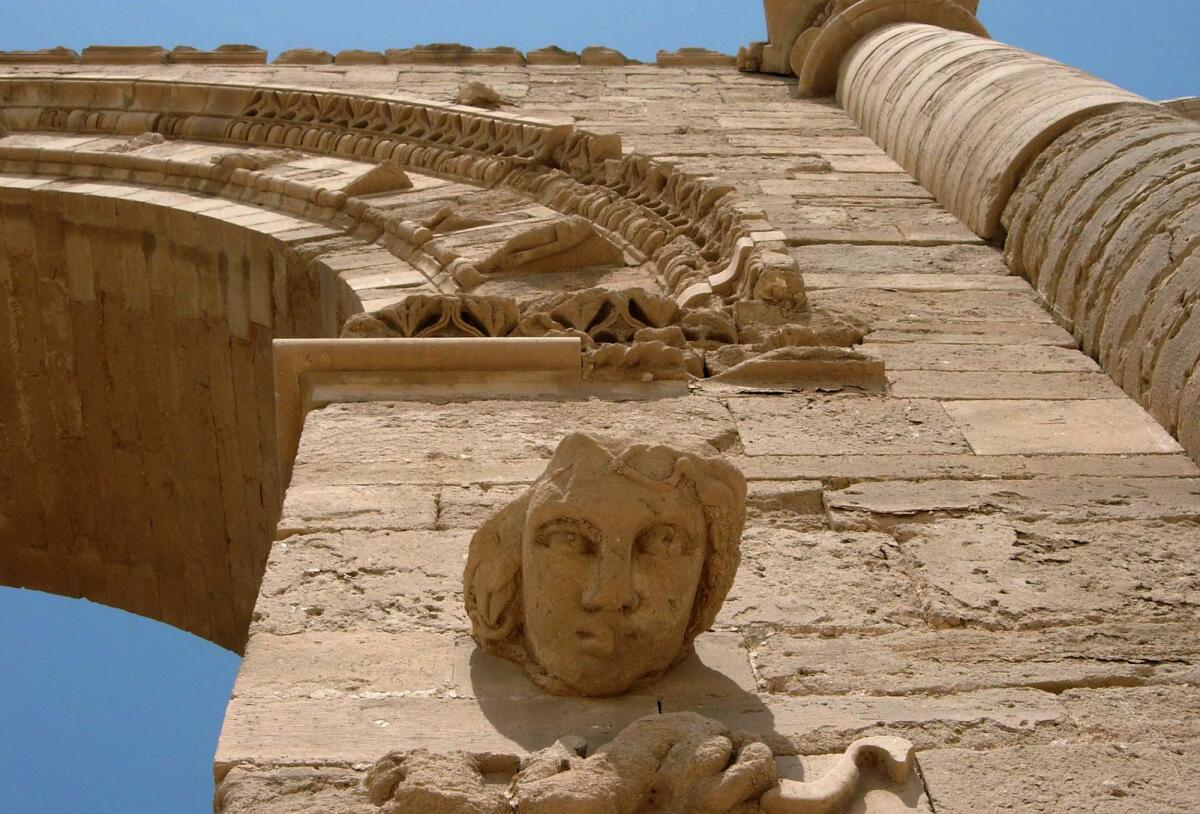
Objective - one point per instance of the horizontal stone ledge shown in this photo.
(363, 730)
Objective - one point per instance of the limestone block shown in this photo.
(124, 55)
(353, 56)
(598, 56)
(551, 55)
(291, 790)
(360, 730)
(974, 385)
(453, 54)
(994, 572)
(390, 582)
(818, 580)
(1164, 715)
(695, 58)
(823, 724)
(392, 439)
(308, 510)
(337, 664)
(222, 55)
(954, 661)
(304, 56)
(872, 505)
(1099, 777)
(1026, 427)
(58, 56)
(844, 425)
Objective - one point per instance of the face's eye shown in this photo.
(664, 540)
(566, 538)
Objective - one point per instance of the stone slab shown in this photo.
(996, 571)
(928, 662)
(800, 425)
(422, 442)
(828, 724)
(818, 581)
(1063, 778)
(390, 582)
(963, 357)
(931, 384)
(1030, 427)
(336, 664)
(719, 669)
(870, 506)
(362, 730)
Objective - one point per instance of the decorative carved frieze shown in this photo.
(705, 247)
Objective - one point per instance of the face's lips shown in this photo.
(597, 640)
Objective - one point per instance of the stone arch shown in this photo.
(139, 433)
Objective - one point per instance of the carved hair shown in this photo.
(492, 580)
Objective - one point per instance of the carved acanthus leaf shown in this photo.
(421, 316)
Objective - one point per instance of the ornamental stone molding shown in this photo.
(691, 227)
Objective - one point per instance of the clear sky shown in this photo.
(101, 711)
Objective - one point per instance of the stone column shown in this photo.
(1091, 189)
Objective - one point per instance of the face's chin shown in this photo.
(600, 659)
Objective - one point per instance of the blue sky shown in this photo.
(101, 711)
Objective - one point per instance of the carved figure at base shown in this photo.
(603, 573)
(681, 763)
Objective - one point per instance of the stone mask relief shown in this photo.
(602, 574)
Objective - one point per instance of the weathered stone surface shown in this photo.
(872, 505)
(1071, 778)
(292, 790)
(821, 724)
(357, 440)
(1027, 427)
(821, 580)
(381, 581)
(329, 508)
(954, 661)
(951, 261)
(1000, 572)
(1161, 715)
(844, 425)
(336, 664)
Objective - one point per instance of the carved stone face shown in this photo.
(603, 573)
(610, 569)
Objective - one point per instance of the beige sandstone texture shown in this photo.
(940, 317)
(603, 573)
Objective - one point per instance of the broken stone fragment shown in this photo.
(304, 56)
(478, 94)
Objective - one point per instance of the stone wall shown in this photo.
(995, 557)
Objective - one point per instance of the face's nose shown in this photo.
(611, 586)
